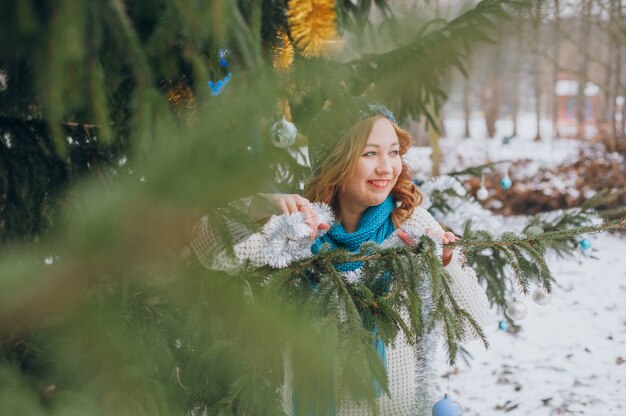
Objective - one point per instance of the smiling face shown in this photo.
(376, 172)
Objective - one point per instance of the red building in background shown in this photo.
(566, 91)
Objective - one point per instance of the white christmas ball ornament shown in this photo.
(516, 310)
(482, 193)
(541, 296)
(283, 133)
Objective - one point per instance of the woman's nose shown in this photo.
(384, 165)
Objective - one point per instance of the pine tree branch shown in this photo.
(546, 236)
(477, 170)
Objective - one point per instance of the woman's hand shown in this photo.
(446, 237)
(263, 206)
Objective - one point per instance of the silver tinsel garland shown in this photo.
(288, 239)
(288, 236)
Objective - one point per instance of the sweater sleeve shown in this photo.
(283, 239)
(210, 244)
(464, 286)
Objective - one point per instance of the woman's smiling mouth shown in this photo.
(379, 184)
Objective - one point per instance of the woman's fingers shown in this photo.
(292, 205)
(310, 216)
(449, 237)
(266, 205)
(446, 237)
(405, 237)
(314, 223)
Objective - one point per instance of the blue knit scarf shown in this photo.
(375, 225)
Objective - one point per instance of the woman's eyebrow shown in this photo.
(377, 145)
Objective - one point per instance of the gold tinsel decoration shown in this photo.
(285, 108)
(181, 99)
(312, 24)
(283, 51)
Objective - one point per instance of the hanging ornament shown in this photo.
(506, 182)
(503, 325)
(447, 407)
(312, 25)
(541, 296)
(222, 54)
(482, 192)
(516, 310)
(283, 51)
(585, 244)
(181, 99)
(283, 133)
(218, 86)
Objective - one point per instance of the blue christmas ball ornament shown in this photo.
(217, 87)
(503, 326)
(222, 54)
(506, 182)
(585, 244)
(446, 407)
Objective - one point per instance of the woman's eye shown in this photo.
(395, 152)
(369, 154)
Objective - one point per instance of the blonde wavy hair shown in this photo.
(339, 166)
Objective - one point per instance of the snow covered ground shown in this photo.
(568, 357)
(459, 153)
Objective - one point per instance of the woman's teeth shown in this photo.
(380, 184)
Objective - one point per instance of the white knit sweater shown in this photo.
(410, 370)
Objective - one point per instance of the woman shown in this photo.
(358, 171)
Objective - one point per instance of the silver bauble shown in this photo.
(283, 133)
(482, 193)
(541, 296)
(516, 310)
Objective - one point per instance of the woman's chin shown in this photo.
(378, 199)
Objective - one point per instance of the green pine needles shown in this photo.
(315, 286)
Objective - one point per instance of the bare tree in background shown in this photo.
(517, 75)
(536, 24)
(556, 42)
(607, 113)
(493, 91)
(467, 103)
(583, 66)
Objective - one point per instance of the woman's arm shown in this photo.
(212, 235)
(264, 206)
